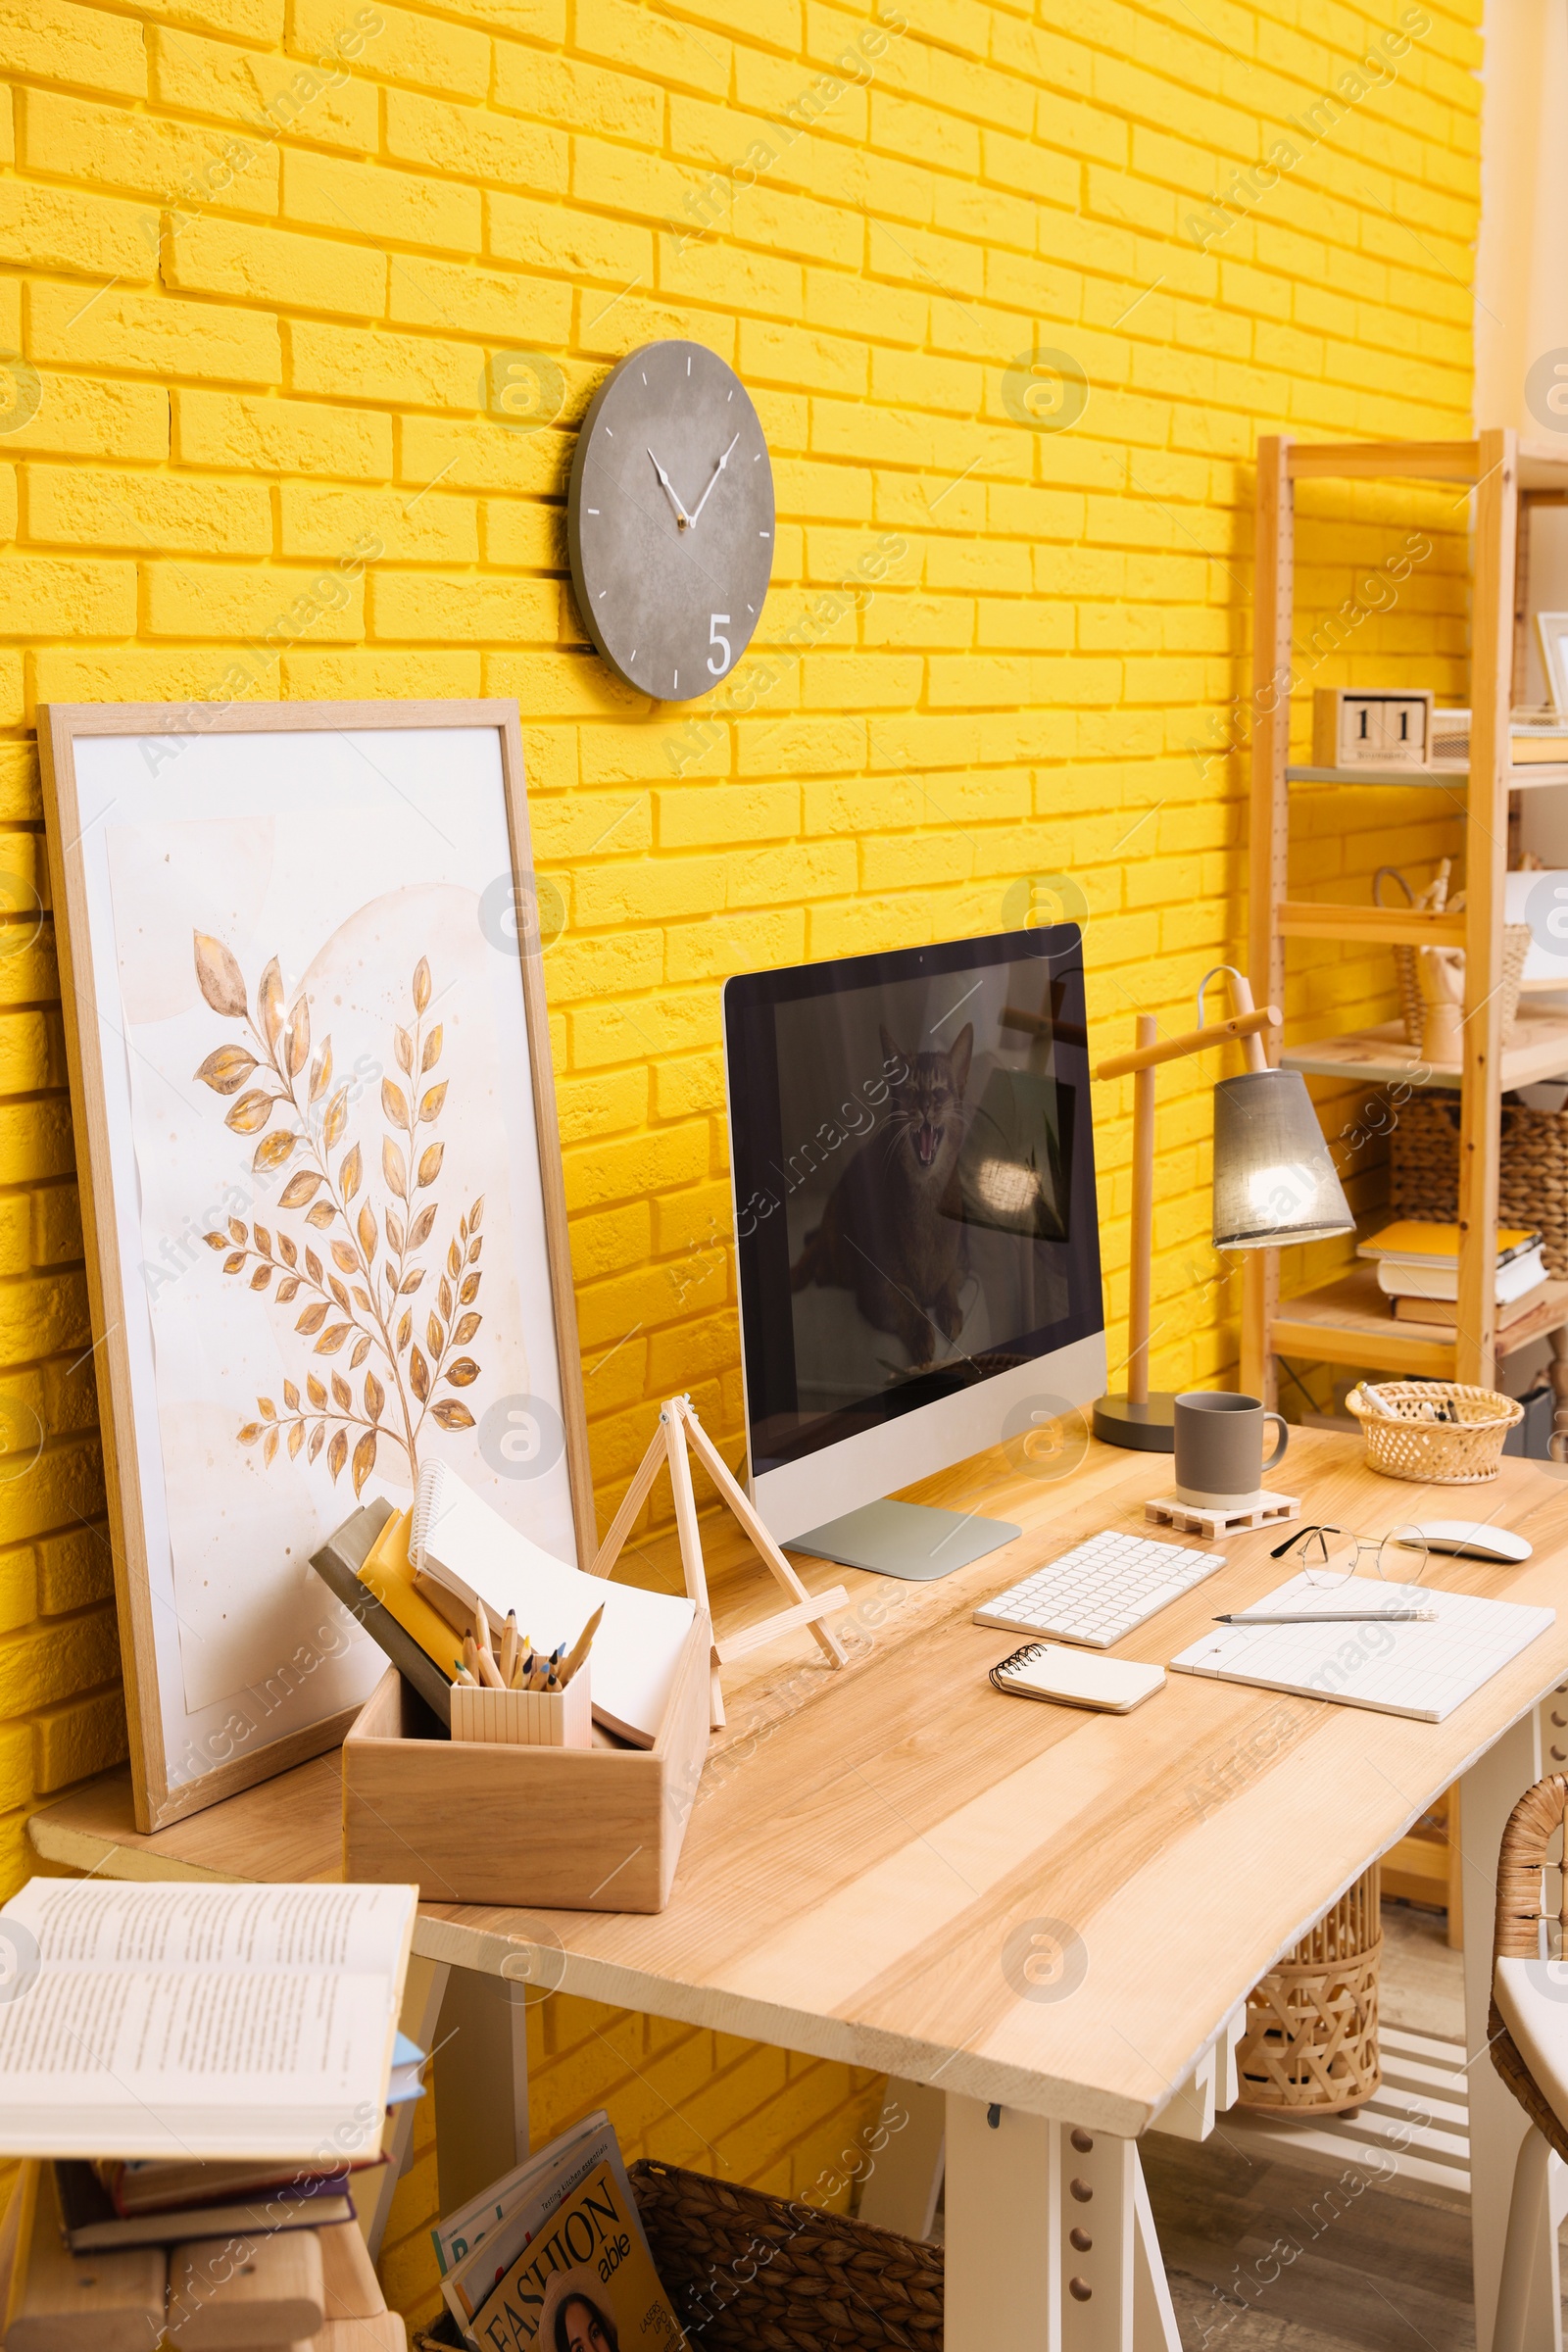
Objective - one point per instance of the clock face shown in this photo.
(669, 521)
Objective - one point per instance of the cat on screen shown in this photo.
(891, 1227)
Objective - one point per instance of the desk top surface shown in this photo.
(893, 1865)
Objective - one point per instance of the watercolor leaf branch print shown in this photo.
(362, 1307)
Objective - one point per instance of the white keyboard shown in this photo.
(1104, 1587)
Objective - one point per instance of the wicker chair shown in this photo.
(1528, 2030)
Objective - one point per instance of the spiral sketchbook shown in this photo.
(1422, 1670)
(477, 1555)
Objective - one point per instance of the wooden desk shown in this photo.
(873, 1852)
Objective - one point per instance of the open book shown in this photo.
(470, 1550)
(199, 2021)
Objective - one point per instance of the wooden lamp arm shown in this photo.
(1243, 1023)
(1194, 1040)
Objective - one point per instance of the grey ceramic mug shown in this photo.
(1219, 1449)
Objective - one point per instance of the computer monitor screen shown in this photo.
(915, 1209)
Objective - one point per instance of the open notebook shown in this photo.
(1424, 1670)
(176, 2020)
(474, 1552)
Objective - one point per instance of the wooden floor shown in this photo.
(1263, 2257)
(1267, 2256)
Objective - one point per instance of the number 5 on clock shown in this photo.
(713, 638)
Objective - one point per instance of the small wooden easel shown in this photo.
(676, 1423)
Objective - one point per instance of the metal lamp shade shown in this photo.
(1274, 1181)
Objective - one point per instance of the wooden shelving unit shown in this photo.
(1347, 1321)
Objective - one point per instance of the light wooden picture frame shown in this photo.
(320, 1181)
(1553, 630)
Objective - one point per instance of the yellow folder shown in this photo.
(389, 1573)
(1415, 1237)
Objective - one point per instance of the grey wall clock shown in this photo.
(669, 519)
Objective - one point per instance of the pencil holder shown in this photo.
(526, 1718)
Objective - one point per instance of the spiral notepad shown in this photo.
(1076, 1678)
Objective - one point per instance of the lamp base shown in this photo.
(1149, 1427)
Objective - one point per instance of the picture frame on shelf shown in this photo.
(321, 1188)
(1553, 630)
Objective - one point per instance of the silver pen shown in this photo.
(1329, 1617)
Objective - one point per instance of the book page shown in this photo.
(165, 2032)
(199, 2021)
(101, 1925)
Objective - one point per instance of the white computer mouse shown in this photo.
(1478, 1539)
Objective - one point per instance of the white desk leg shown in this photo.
(1004, 2231)
(422, 1992)
(1051, 2243)
(1154, 2327)
(481, 2098)
(906, 2177)
(1489, 1793)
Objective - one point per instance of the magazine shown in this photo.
(586, 2283)
(478, 2245)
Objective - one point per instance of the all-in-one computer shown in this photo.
(917, 1230)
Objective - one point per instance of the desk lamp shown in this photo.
(1274, 1183)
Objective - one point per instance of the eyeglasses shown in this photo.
(1397, 1558)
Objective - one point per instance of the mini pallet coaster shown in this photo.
(678, 1425)
(1259, 1510)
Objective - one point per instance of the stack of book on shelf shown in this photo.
(555, 2253)
(1418, 1271)
(196, 2076)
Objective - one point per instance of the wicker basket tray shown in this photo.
(1533, 1184)
(748, 2272)
(1402, 1440)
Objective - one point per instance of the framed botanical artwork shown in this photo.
(321, 1179)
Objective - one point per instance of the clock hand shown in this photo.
(685, 520)
(717, 471)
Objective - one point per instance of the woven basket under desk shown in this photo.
(1533, 1183)
(1312, 2040)
(748, 2272)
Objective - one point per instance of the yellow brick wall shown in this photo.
(262, 304)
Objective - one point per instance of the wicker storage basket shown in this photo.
(1533, 1186)
(1403, 1443)
(1311, 2041)
(748, 2272)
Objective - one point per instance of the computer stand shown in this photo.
(914, 1542)
(678, 1423)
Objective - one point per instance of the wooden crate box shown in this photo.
(595, 1829)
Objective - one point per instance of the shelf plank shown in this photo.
(1550, 1314)
(1428, 779)
(1349, 1321)
(1521, 776)
(1539, 1050)
(1385, 461)
(1365, 925)
(1541, 465)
